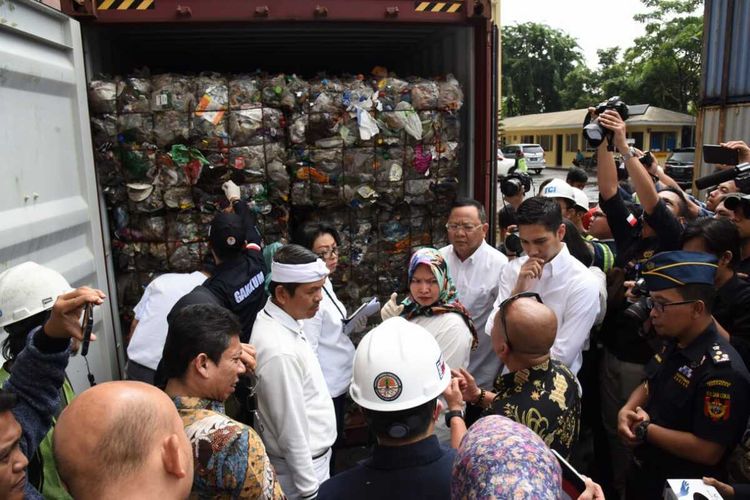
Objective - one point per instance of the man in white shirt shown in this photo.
(149, 327)
(296, 419)
(475, 268)
(564, 284)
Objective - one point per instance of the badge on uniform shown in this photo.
(716, 408)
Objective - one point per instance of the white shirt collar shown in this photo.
(476, 254)
(560, 262)
(281, 316)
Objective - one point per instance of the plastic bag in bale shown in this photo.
(424, 94)
(323, 127)
(300, 90)
(256, 197)
(246, 127)
(184, 258)
(278, 181)
(172, 92)
(449, 127)
(348, 131)
(190, 160)
(420, 161)
(392, 91)
(104, 129)
(102, 96)
(275, 93)
(152, 229)
(389, 176)
(144, 198)
(447, 165)
(208, 130)
(250, 160)
(134, 95)
(217, 166)
(135, 128)
(171, 127)
(170, 173)
(184, 227)
(297, 129)
(108, 171)
(209, 201)
(419, 192)
(327, 102)
(274, 124)
(179, 198)
(138, 164)
(123, 256)
(150, 256)
(301, 194)
(430, 126)
(446, 190)
(450, 97)
(244, 92)
(211, 93)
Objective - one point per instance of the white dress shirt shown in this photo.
(335, 351)
(476, 280)
(296, 417)
(147, 344)
(571, 291)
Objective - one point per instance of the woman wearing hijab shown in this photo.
(433, 304)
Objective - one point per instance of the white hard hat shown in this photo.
(28, 289)
(558, 188)
(580, 198)
(398, 366)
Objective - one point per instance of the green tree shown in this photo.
(536, 60)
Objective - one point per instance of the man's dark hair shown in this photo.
(683, 201)
(704, 293)
(7, 400)
(290, 254)
(576, 175)
(307, 234)
(539, 210)
(468, 202)
(18, 332)
(577, 246)
(391, 424)
(196, 329)
(719, 235)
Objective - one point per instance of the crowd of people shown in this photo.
(623, 328)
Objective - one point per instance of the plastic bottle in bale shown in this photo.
(297, 128)
(450, 95)
(359, 177)
(171, 127)
(389, 175)
(172, 92)
(244, 92)
(322, 130)
(300, 90)
(274, 125)
(250, 160)
(391, 91)
(424, 94)
(134, 95)
(275, 94)
(256, 197)
(278, 181)
(102, 96)
(246, 127)
(184, 227)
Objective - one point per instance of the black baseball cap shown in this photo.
(227, 233)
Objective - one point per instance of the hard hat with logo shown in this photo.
(558, 188)
(398, 366)
(581, 199)
(28, 289)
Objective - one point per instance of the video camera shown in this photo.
(593, 131)
(740, 173)
(511, 184)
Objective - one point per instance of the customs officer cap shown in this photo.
(672, 269)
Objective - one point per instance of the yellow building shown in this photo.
(658, 130)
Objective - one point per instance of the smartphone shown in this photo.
(647, 159)
(719, 155)
(87, 325)
(574, 480)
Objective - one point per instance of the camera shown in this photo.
(512, 184)
(594, 133)
(639, 310)
(513, 243)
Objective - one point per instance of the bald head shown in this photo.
(116, 432)
(531, 327)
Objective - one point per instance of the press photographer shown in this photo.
(513, 188)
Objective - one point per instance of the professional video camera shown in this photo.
(740, 173)
(594, 133)
(639, 310)
(511, 184)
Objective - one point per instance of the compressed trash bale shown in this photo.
(153, 202)
(184, 227)
(450, 95)
(179, 198)
(420, 232)
(424, 94)
(449, 125)
(327, 102)
(244, 92)
(123, 256)
(256, 197)
(184, 258)
(134, 95)
(150, 256)
(171, 174)
(445, 189)
(108, 170)
(419, 161)
(278, 181)
(172, 92)
(211, 93)
(129, 289)
(171, 127)
(391, 274)
(300, 90)
(275, 94)
(430, 121)
(246, 127)
(419, 192)
(208, 130)
(102, 96)
(323, 127)
(297, 128)
(274, 124)
(138, 164)
(135, 128)
(439, 232)
(152, 229)
(104, 129)
(209, 202)
(392, 91)
(249, 159)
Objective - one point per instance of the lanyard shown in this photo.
(343, 316)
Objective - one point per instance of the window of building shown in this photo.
(527, 139)
(571, 142)
(638, 140)
(545, 141)
(663, 141)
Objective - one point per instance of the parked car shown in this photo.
(679, 166)
(534, 158)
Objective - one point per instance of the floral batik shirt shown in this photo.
(230, 459)
(545, 399)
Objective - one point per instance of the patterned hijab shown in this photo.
(447, 299)
(500, 458)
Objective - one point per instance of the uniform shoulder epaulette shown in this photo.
(718, 356)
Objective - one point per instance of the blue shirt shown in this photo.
(419, 470)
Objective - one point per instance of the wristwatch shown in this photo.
(641, 430)
(630, 153)
(453, 413)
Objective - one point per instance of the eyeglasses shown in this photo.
(327, 254)
(659, 307)
(504, 304)
(467, 228)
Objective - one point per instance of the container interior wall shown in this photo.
(727, 32)
(735, 121)
(306, 49)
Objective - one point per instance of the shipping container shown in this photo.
(57, 54)
(724, 112)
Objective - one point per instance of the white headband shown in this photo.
(298, 273)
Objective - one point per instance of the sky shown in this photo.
(595, 24)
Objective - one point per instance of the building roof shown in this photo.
(574, 119)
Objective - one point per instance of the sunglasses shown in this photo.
(501, 310)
